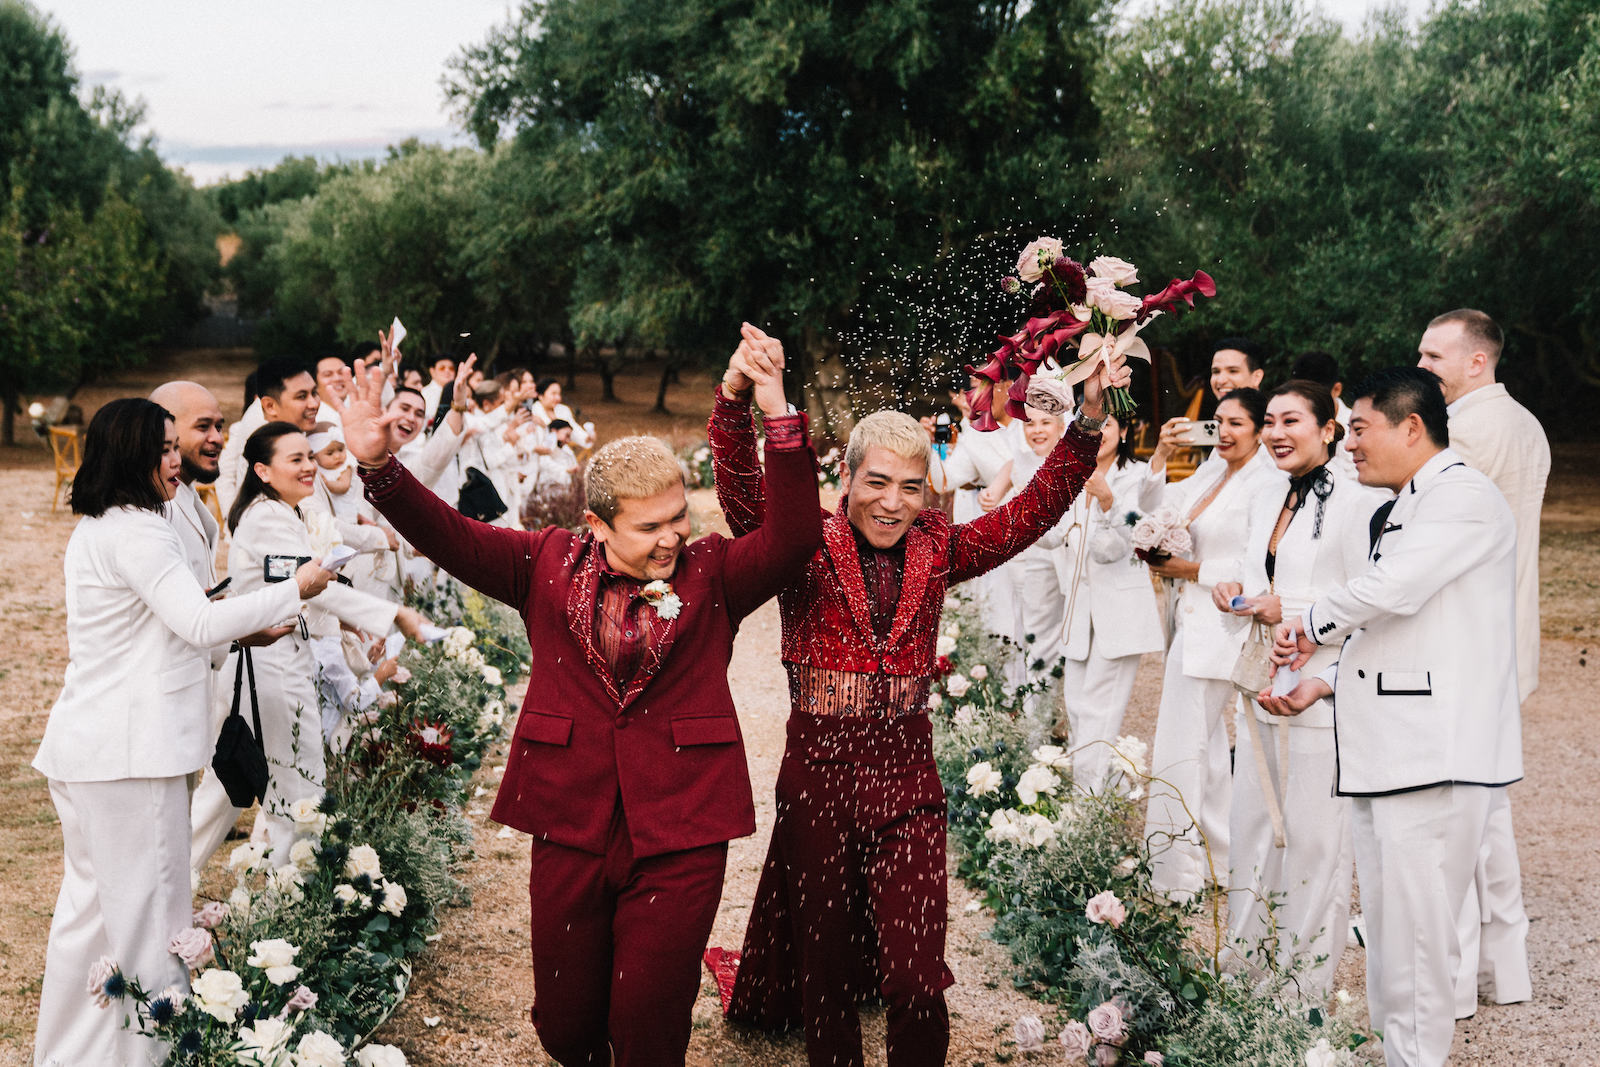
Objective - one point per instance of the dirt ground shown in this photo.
(474, 986)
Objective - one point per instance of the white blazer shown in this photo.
(139, 637)
(271, 528)
(1208, 642)
(1107, 588)
(1425, 690)
(1309, 566)
(230, 465)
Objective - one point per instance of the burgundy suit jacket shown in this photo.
(670, 745)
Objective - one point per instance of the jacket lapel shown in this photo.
(581, 593)
(920, 558)
(840, 545)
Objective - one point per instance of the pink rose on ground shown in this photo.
(1029, 1032)
(302, 999)
(1155, 1059)
(193, 946)
(1106, 908)
(1077, 1040)
(211, 914)
(1106, 1055)
(1106, 1023)
(1036, 257)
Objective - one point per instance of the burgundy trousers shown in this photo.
(616, 949)
(852, 901)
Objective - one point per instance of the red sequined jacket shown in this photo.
(837, 664)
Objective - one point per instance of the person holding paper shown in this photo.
(627, 767)
(1289, 835)
(268, 536)
(1425, 699)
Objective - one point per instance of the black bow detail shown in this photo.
(1318, 482)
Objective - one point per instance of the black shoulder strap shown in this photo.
(245, 662)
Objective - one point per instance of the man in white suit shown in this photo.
(1493, 433)
(287, 393)
(1427, 720)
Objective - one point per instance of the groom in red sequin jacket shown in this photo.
(852, 897)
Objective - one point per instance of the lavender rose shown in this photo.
(1029, 1032)
(1105, 908)
(1107, 1023)
(1077, 1040)
(193, 946)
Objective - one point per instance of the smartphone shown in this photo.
(218, 589)
(1200, 433)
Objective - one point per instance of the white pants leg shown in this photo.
(1095, 693)
(292, 725)
(124, 893)
(1493, 926)
(1188, 812)
(1415, 855)
(1309, 878)
(1040, 611)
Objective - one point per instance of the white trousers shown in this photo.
(1095, 692)
(1040, 611)
(1308, 879)
(1416, 854)
(124, 894)
(1493, 926)
(1188, 812)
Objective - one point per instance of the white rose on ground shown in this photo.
(308, 818)
(394, 898)
(275, 957)
(983, 779)
(264, 1043)
(380, 1056)
(247, 857)
(979, 673)
(220, 994)
(303, 854)
(1120, 271)
(1006, 825)
(944, 645)
(957, 685)
(1052, 756)
(1035, 780)
(1029, 1034)
(363, 859)
(318, 1049)
(1038, 831)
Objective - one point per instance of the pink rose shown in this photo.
(1076, 1039)
(302, 999)
(1106, 908)
(193, 946)
(1039, 255)
(211, 914)
(1106, 1023)
(401, 676)
(100, 972)
(1119, 271)
(1106, 1055)
(1155, 1059)
(1029, 1034)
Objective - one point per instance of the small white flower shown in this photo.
(287, 880)
(239, 901)
(1323, 1054)
(983, 779)
(972, 906)
(1343, 997)
(957, 685)
(1130, 753)
(954, 631)
(472, 659)
(363, 859)
(431, 1020)
(1006, 825)
(263, 1044)
(979, 673)
(318, 1049)
(457, 641)
(1035, 780)
(491, 675)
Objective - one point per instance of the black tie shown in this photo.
(1375, 527)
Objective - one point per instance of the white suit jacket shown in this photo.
(1207, 641)
(230, 465)
(1425, 690)
(1309, 565)
(1494, 434)
(139, 638)
(1107, 588)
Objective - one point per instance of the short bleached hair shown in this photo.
(892, 430)
(629, 468)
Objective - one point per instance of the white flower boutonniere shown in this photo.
(663, 599)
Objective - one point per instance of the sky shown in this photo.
(231, 85)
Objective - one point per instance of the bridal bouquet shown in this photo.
(1159, 535)
(1084, 311)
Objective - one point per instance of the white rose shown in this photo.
(979, 673)
(1037, 830)
(1005, 825)
(944, 645)
(1053, 756)
(318, 1049)
(491, 675)
(957, 685)
(303, 854)
(935, 701)
(262, 1045)
(363, 859)
(965, 715)
(1039, 254)
(220, 994)
(1036, 780)
(954, 630)
(286, 880)
(1120, 271)
(394, 898)
(951, 603)
(275, 956)
(1105, 296)
(982, 779)
(308, 819)
(239, 900)
(472, 659)
(380, 1056)
(1130, 755)
(1321, 1055)
(457, 641)
(346, 894)
(247, 857)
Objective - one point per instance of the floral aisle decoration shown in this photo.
(1080, 318)
(1066, 873)
(308, 953)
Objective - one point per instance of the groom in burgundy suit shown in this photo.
(627, 766)
(852, 898)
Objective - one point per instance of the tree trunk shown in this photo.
(8, 420)
(608, 377)
(668, 373)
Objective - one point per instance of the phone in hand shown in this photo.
(218, 589)
(1199, 433)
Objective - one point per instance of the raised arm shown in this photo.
(736, 470)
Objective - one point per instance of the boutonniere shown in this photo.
(663, 599)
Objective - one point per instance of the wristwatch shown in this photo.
(1090, 425)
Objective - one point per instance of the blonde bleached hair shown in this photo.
(892, 430)
(629, 468)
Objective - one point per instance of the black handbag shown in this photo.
(240, 762)
(479, 498)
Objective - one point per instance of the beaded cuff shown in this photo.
(381, 481)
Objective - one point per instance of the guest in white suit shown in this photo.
(1110, 615)
(129, 731)
(1289, 835)
(1038, 606)
(1425, 700)
(286, 392)
(1494, 434)
(267, 532)
(1187, 817)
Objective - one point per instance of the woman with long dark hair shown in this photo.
(268, 534)
(1289, 833)
(130, 729)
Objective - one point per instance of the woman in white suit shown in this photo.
(1188, 812)
(1111, 618)
(130, 730)
(1313, 543)
(269, 533)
